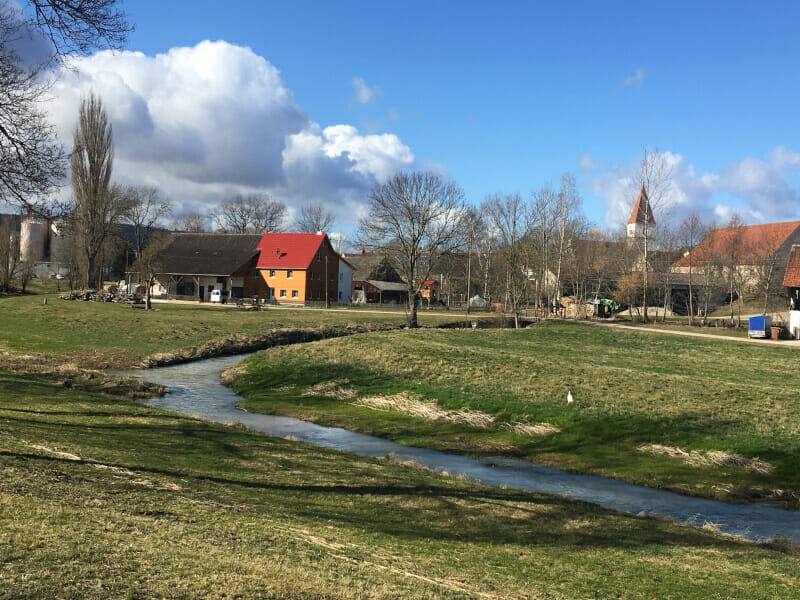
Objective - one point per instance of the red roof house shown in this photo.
(296, 268)
(753, 242)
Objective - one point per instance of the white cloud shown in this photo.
(759, 189)
(209, 121)
(587, 162)
(363, 93)
(636, 80)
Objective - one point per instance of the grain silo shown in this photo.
(33, 237)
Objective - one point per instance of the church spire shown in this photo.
(641, 216)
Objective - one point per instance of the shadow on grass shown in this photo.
(456, 512)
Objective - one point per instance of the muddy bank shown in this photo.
(242, 344)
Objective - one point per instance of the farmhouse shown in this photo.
(192, 265)
(296, 268)
(376, 280)
(749, 249)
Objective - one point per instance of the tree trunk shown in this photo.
(469, 270)
(147, 304)
(412, 313)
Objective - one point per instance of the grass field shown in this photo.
(703, 410)
(105, 334)
(105, 498)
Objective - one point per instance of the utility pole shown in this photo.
(326, 281)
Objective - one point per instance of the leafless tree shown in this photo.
(9, 254)
(733, 252)
(32, 162)
(314, 217)
(543, 209)
(98, 207)
(414, 219)
(654, 174)
(508, 215)
(148, 263)
(474, 226)
(691, 232)
(145, 207)
(256, 213)
(190, 223)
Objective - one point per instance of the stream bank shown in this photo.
(195, 389)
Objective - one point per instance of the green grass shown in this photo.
(631, 388)
(104, 498)
(107, 334)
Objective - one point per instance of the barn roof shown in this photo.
(756, 242)
(219, 254)
(289, 250)
(792, 276)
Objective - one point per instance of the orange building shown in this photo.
(295, 268)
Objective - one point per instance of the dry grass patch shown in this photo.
(332, 389)
(430, 411)
(710, 458)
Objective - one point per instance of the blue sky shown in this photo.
(507, 96)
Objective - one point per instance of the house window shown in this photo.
(288, 274)
(294, 293)
(283, 294)
(319, 258)
(331, 276)
(340, 276)
(272, 273)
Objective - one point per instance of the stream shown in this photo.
(196, 389)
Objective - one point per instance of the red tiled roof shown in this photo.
(757, 241)
(642, 210)
(792, 276)
(429, 282)
(288, 250)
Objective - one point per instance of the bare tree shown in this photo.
(691, 232)
(542, 226)
(97, 206)
(148, 264)
(474, 228)
(256, 213)
(31, 160)
(314, 217)
(733, 253)
(654, 178)
(9, 254)
(414, 219)
(508, 215)
(190, 223)
(145, 207)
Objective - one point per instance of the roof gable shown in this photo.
(642, 211)
(289, 250)
(792, 276)
(757, 242)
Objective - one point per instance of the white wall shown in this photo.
(345, 283)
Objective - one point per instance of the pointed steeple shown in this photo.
(642, 210)
(642, 221)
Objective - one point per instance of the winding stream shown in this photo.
(195, 389)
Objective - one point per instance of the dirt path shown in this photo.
(707, 336)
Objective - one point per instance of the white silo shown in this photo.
(33, 239)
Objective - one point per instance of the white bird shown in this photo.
(570, 399)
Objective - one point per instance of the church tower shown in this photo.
(642, 214)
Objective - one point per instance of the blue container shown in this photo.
(758, 327)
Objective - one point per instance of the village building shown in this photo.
(192, 265)
(296, 268)
(280, 268)
(641, 222)
(376, 281)
(748, 248)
